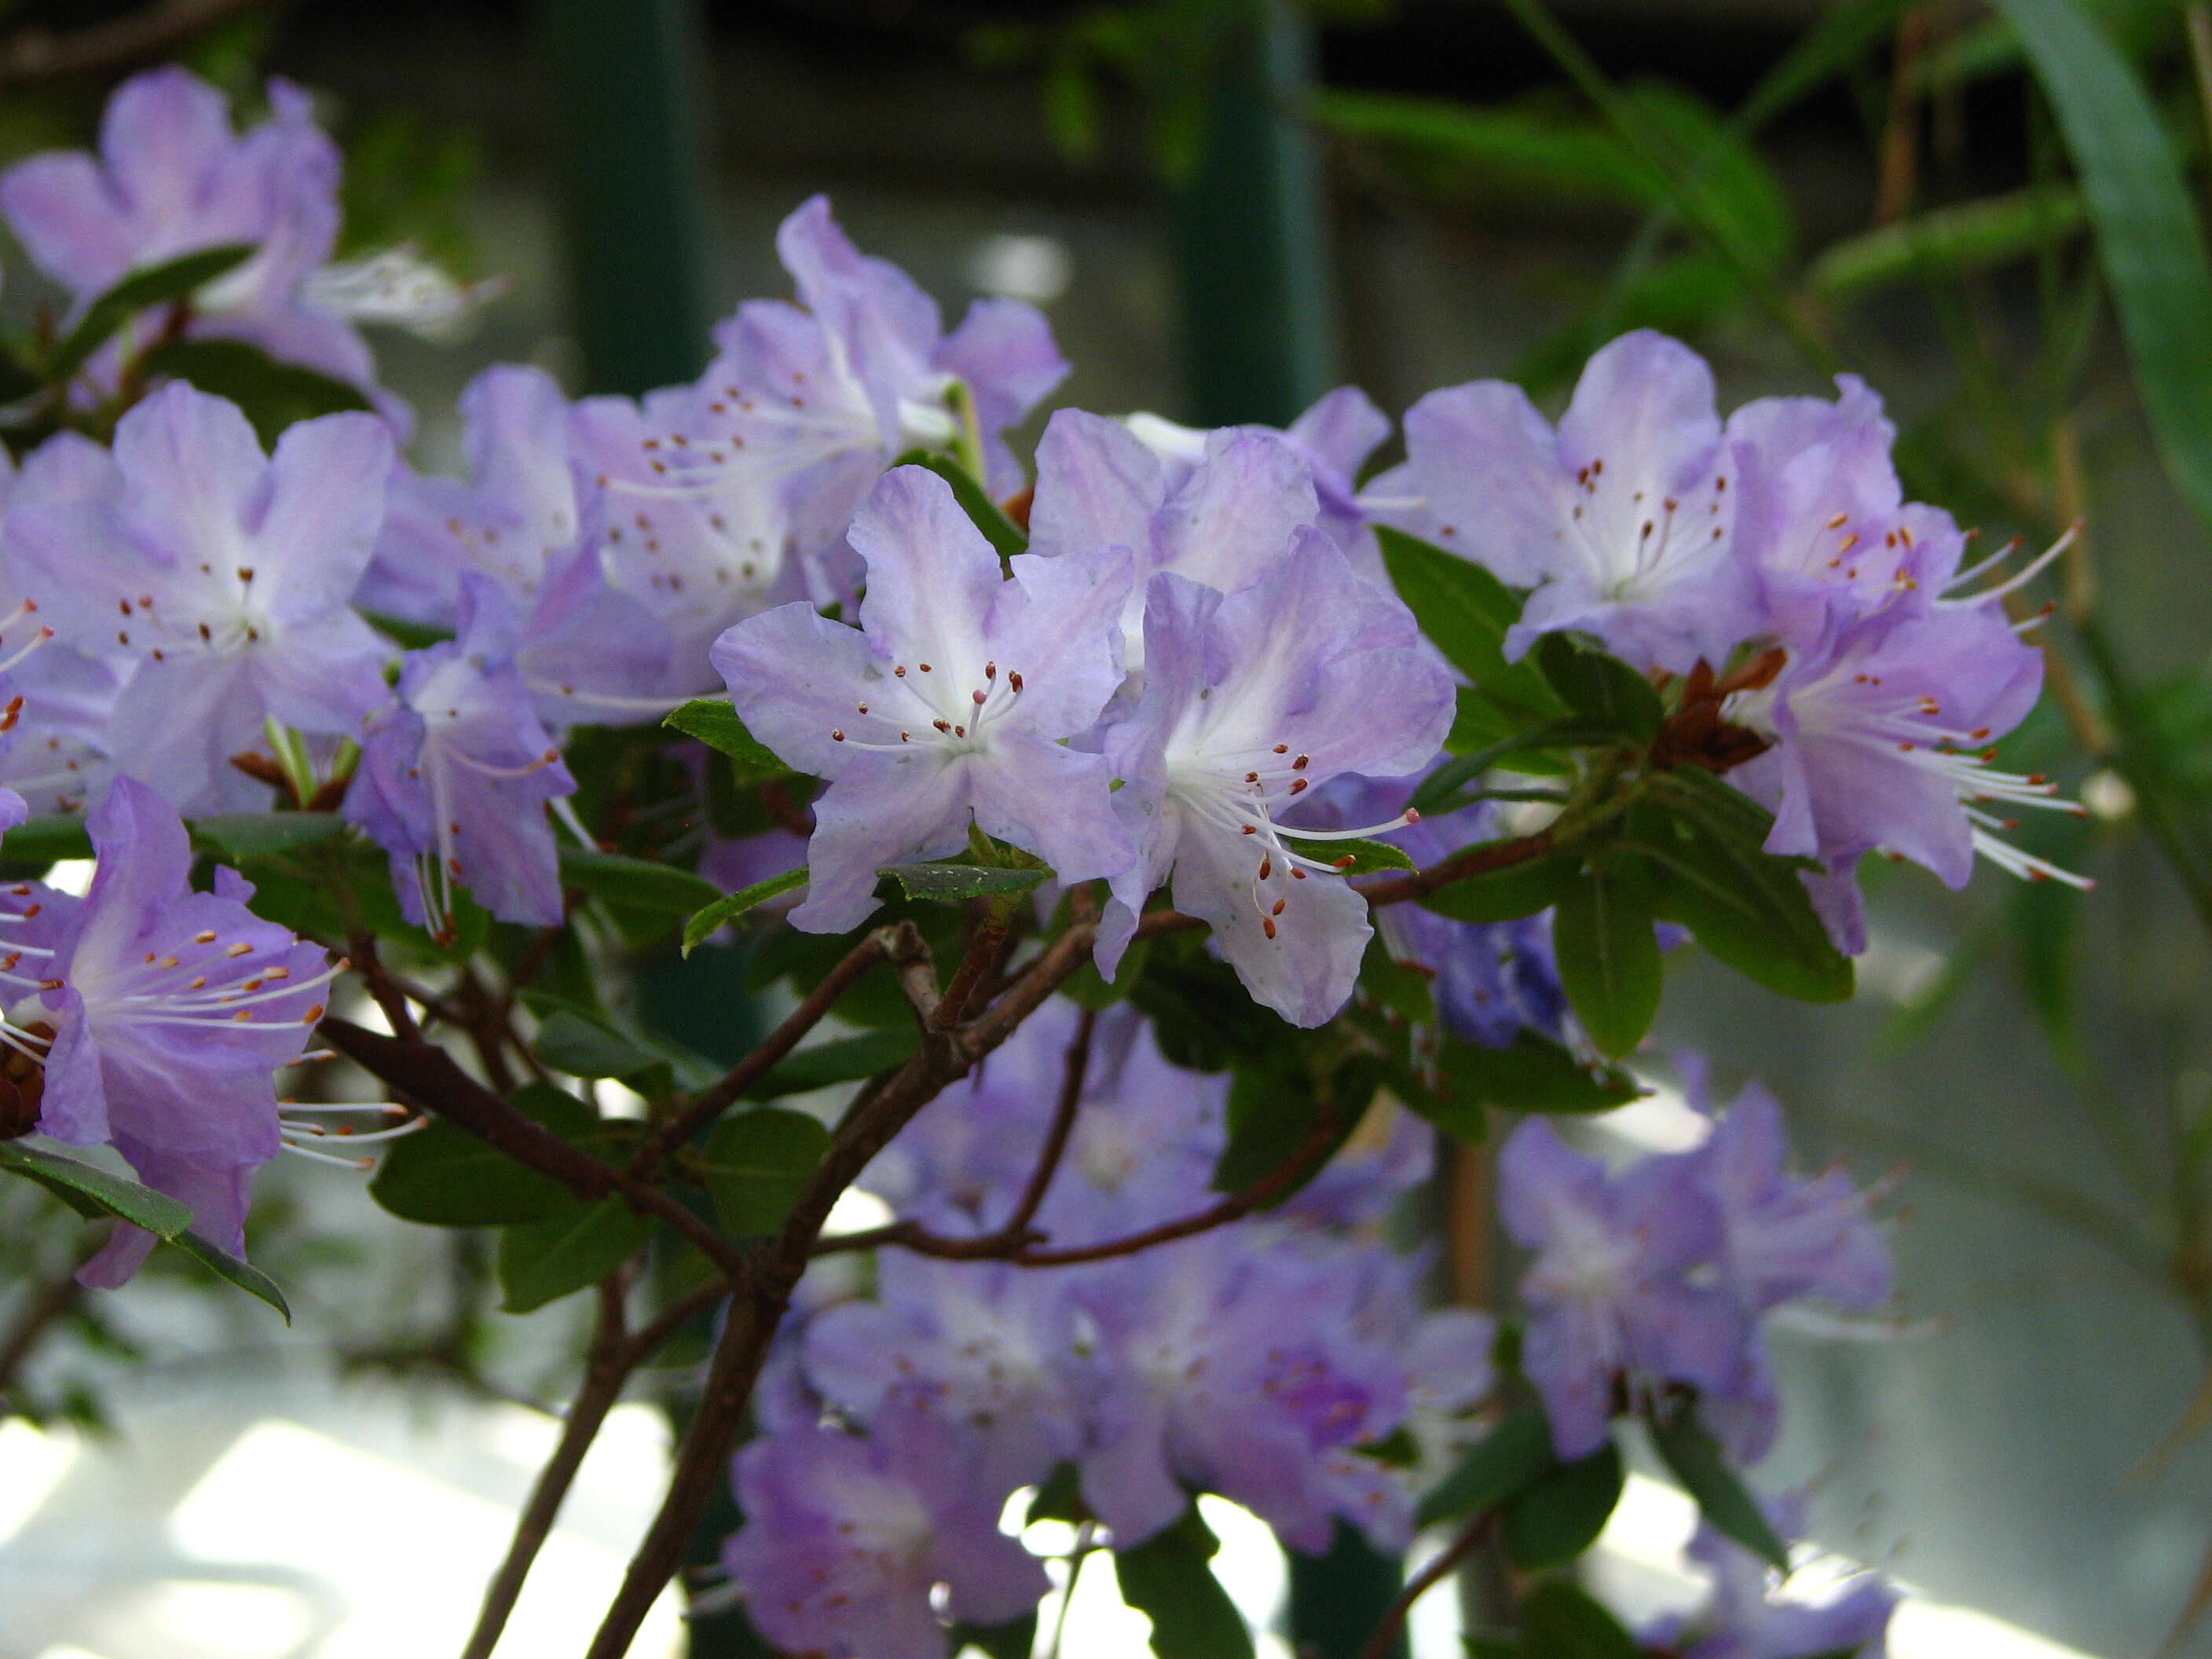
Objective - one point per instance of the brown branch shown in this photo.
(978, 964)
(1078, 1068)
(1478, 860)
(38, 54)
(428, 1076)
(711, 1102)
(1394, 1620)
(383, 987)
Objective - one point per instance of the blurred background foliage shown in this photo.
(1957, 200)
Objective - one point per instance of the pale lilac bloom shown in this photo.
(1623, 519)
(945, 707)
(805, 405)
(1613, 1312)
(1249, 701)
(1877, 734)
(173, 177)
(1334, 439)
(168, 1011)
(1820, 509)
(847, 1540)
(225, 574)
(1783, 1238)
(1242, 1372)
(527, 518)
(991, 1348)
(1147, 1135)
(1752, 1616)
(455, 775)
(1224, 519)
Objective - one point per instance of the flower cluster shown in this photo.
(1774, 560)
(1659, 1277)
(1751, 1615)
(1270, 1363)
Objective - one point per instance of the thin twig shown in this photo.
(1394, 1620)
(38, 54)
(711, 1102)
(45, 1308)
(1078, 1068)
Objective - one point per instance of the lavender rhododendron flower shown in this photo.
(224, 573)
(945, 707)
(1334, 439)
(805, 405)
(1224, 519)
(160, 1015)
(173, 177)
(1612, 1310)
(857, 1535)
(1753, 1614)
(1623, 519)
(454, 776)
(1249, 701)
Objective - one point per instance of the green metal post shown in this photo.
(628, 134)
(1251, 236)
(1261, 344)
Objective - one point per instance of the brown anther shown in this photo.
(1268, 922)
(978, 697)
(243, 947)
(1278, 910)
(1300, 787)
(1267, 868)
(207, 938)
(1014, 680)
(836, 736)
(942, 725)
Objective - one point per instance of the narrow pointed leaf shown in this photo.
(162, 284)
(723, 911)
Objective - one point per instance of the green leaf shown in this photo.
(1169, 1579)
(1466, 611)
(1559, 1620)
(1559, 1515)
(1273, 1111)
(661, 888)
(1507, 894)
(578, 1245)
(230, 1268)
(1748, 908)
(715, 723)
(1473, 150)
(1609, 961)
(757, 1165)
(846, 1060)
(1962, 240)
(956, 884)
(1365, 857)
(1201, 1017)
(242, 835)
(567, 1042)
(1602, 689)
(1440, 790)
(274, 395)
(2148, 232)
(723, 911)
(47, 841)
(1005, 536)
(1723, 1498)
(1513, 1456)
(1405, 988)
(1532, 1074)
(162, 284)
(444, 1176)
(93, 1192)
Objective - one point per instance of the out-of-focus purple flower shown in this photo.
(1623, 519)
(1877, 732)
(1248, 701)
(1242, 1372)
(172, 177)
(226, 574)
(847, 1540)
(454, 776)
(1334, 439)
(1612, 1312)
(160, 1015)
(1783, 1238)
(1821, 510)
(945, 706)
(1749, 1617)
(1224, 518)
(1147, 1135)
(989, 1348)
